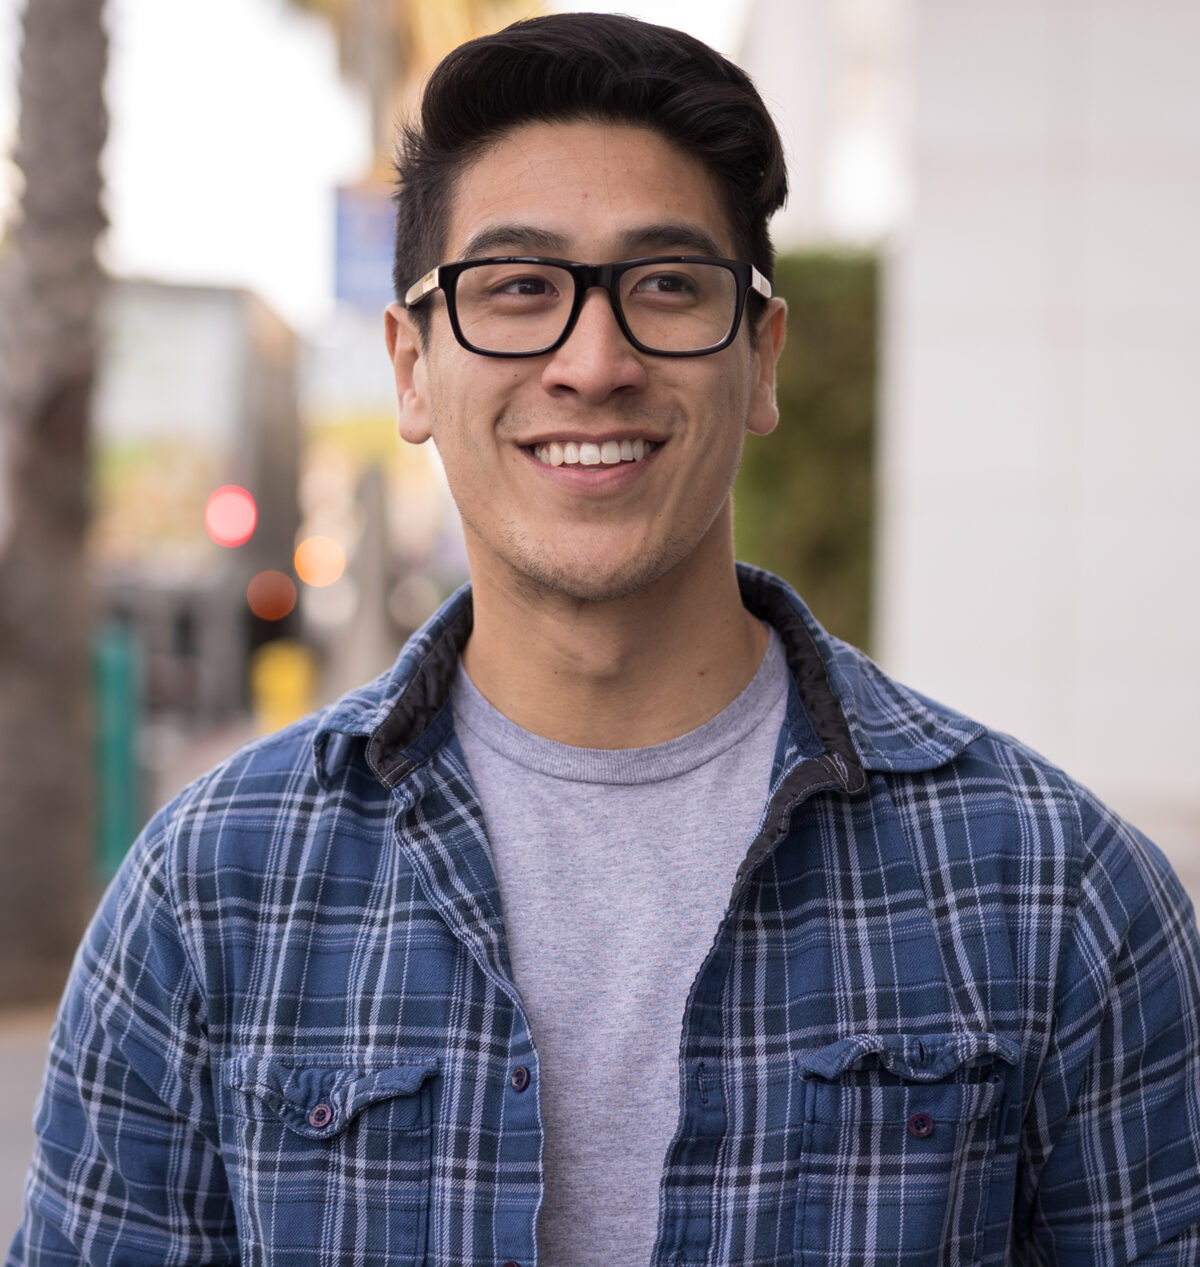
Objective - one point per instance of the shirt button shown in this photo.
(519, 1080)
(920, 1125)
(510, 1263)
(320, 1116)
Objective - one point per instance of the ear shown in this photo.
(772, 332)
(407, 354)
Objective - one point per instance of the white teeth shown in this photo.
(586, 453)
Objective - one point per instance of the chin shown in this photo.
(584, 582)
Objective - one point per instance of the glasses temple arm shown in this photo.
(419, 289)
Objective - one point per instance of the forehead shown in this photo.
(588, 190)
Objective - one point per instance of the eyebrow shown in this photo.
(521, 239)
(687, 239)
(650, 239)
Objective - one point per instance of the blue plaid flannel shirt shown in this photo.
(951, 1016)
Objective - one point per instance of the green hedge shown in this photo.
(804, 498)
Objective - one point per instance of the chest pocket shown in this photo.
(896, 1147)
(331, 1164)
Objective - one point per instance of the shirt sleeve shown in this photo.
(127, 1167)
(1112, 1173)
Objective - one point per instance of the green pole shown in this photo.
(118, 706)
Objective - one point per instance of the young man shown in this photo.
(630, 918)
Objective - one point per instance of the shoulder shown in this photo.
(231, 813)
(261, 801)
(277, 806)
(966, 792)
(1004, 837)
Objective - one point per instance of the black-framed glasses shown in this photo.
(527, 305)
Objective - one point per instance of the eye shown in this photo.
(518, 288)
(665, 283)
(530, 285)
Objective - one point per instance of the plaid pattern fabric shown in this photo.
(951, 1017)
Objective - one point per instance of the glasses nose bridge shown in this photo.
(596, 277)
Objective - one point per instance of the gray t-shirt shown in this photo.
(615, 868)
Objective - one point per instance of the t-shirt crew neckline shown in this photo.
(624, 765)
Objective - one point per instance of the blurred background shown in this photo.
(991, 416)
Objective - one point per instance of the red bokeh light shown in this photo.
(230, 515)
(271, 595)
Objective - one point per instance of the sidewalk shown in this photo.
(24, 1036)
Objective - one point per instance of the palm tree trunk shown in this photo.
(49, 288)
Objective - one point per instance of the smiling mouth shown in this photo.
(585, 453)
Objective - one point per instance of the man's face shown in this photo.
(591, 192)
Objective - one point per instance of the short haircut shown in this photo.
(586, 66)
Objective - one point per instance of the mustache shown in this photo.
(635, 414)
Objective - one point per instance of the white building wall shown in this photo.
(788, 49)
(1039, 542)
(829, 73)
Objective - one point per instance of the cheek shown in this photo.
(470, 396)
(729, 404)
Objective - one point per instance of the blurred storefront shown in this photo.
(261, 539)
(196, 467)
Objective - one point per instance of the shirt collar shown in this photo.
(865, 720)
(891, 727)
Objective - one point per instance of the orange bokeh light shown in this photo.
(271, 595)
(319, 561)
(230, 515)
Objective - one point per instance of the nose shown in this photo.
(597, 359)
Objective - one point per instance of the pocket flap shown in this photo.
(913, 1057)
(320, 1101)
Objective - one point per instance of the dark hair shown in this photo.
(572, 66)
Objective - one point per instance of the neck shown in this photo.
(624, 673)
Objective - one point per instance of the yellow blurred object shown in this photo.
(283, 677)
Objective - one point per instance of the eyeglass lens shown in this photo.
(525, 307)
